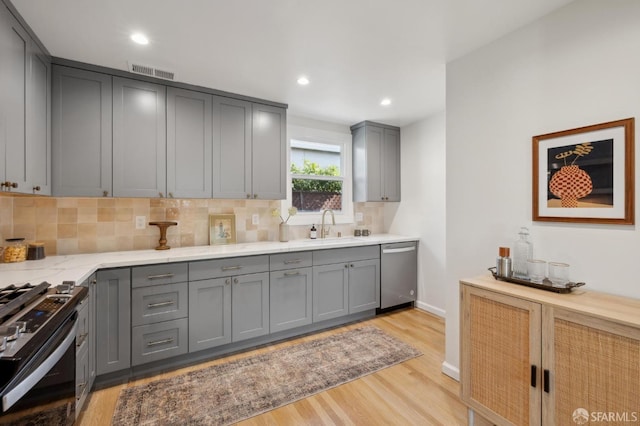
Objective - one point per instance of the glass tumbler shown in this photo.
(537, 270)
(559, 273)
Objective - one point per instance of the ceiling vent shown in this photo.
(151, 71)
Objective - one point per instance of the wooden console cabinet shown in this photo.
(530, 357)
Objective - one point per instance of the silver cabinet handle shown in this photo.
(235, 281)
(159, 304)
(105, 193)
(231, 268)
(80, 339)
(160, 342)
(351, 265)
(255, 195)
(289, 274)
(289, 262)
(159, 276)
(227, 281)
(398, 250)
(248, 195)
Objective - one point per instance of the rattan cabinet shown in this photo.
(534, 357)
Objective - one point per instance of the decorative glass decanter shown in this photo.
(522, 250)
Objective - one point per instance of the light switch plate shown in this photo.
(255, 219)
(358, 216)
(141, 222)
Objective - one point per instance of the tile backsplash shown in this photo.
(91, 225)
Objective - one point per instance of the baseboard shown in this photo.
(431, 309)
(451, 370)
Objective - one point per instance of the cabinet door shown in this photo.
(14, 63)
(391, 165)
(375, 153)
(364, 285)
(290, 299)
(139, 139)
(269, 152)
(92, 283)
(209, 313)
(189, 144)
(113, 321)
(330, 291)
(500, 343)
(81, 127)
(231, 148)
(250, 306)
(38, 123)
(592, 364)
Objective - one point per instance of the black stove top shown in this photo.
(14, 298)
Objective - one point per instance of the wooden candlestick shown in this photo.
(163, 233)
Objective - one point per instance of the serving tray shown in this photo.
(545, 285)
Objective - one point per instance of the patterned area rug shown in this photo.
(243, 388)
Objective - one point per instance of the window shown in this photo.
(319, 173)
(316, 176)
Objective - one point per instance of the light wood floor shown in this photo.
(415, 392)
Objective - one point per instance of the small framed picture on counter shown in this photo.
(222, 229)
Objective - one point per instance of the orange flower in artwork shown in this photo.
(571, 183)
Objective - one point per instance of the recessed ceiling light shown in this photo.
(303, 81)
(140, 38)
(385, 102)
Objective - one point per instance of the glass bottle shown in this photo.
(522, 251)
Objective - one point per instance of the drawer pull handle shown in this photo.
(289, 274)
(160, 304)
(231, 268)
(160, 342)
(160, 276)
(80, 339)
(289, 262)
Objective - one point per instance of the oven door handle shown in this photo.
(25, 385)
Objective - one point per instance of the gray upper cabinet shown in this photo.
(189, 143)
(269, 158)
(81, 157)
(231, 148)
(376, 162)
(38, 131)
(139, 138)
(25, 84)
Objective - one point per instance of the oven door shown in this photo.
(43, 392)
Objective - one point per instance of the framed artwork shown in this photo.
(222, 229)
(585, 175)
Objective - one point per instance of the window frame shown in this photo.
(343, 140)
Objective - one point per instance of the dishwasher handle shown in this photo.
(398, 250)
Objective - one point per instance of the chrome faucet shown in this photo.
(323, 232)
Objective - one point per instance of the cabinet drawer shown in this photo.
(167, 273)
(159, 303)
(278, 262)
(227, 267)
(159, 341)
(329, 256)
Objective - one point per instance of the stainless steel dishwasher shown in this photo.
(398, 274)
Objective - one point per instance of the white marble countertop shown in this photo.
(55, 269)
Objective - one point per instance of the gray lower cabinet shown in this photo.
(81, 133)
(159, 340)
(345, 281)
(113, 320)
(83, 331)
(209, 313)
(330, 291)
(249, 306)
(92, 283)
(189, 143)
(159, 303)
(139, 138)
(291, 296)
(376, 162)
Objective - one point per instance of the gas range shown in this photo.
(29, 316)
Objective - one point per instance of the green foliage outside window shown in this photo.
(315, 185)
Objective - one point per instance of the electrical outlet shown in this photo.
(358, 216)
(141, 222)
(255, 219)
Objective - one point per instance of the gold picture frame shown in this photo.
(222, 229)
(585, 175)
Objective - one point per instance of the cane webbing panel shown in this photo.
(500, 368)
(596, 370)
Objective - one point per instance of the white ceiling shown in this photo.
(355, 52)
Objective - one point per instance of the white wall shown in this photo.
(422, 210)
(575, 67)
